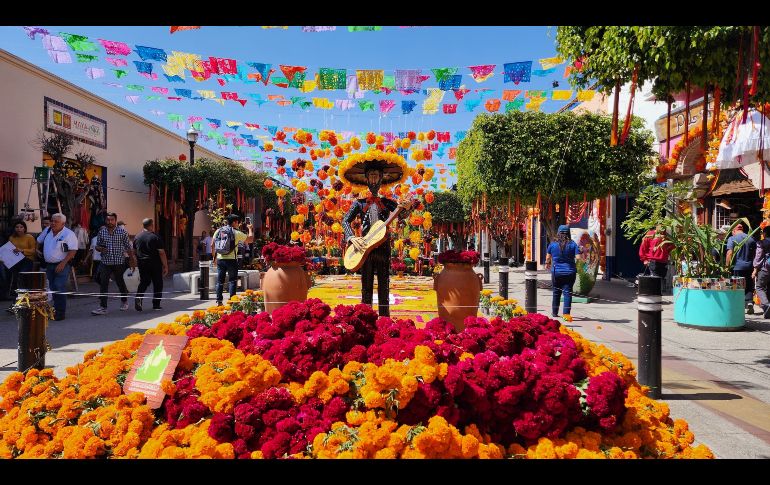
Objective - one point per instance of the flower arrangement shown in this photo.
(309, 382)
(465, 257)
(485, 301)
(504, 308)
(398, 265)
(280, 254)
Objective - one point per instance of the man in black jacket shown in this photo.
(372, 209)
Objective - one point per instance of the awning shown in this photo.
(732, 181)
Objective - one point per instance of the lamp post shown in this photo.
(192, 137)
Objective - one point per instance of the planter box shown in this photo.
(706, 309)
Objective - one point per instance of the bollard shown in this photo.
(486, 267)
(32, 320)
(650, 311)
(530, 287)
(204, 279)
(503, 278)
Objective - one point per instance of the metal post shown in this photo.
(530, 287)
(650, 311)
(190, 210)
(204, 276)
(32, 321)
(503, 277)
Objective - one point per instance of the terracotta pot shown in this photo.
(282, 283)
(457, 292)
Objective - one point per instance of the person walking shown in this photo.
(82, 236)
(655, 250)
(744, 248)
(59, 247)
(95, 257)
(762, 271)
(112, 242)
(560, 260)
(152, 262)
(204, 247)
(224, 248)
(26, 244)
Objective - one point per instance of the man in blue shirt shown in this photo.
(744, 248)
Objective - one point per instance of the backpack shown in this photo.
(225, 242)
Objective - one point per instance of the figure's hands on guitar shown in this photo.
(358, 243)
(405, 204)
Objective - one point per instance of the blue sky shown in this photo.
(389, 49)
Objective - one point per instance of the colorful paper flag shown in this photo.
(561, 94)
(370, 79)
(483, 72)
(152, 53)
(517, 72)
(117, 62)
(550, 62)
(408, 106)
(78, 42)
(114, 48)
(319, 28)
(94, 72)
(329, 78)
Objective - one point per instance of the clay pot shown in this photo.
(457, 293)
(282, 283)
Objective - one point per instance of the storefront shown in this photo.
(37, 102)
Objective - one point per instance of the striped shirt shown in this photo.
(116, 243)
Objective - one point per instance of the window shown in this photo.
(721, 217)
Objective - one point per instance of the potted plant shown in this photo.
(457, 287)
(398, 267)
(286, 280)
(706, 295)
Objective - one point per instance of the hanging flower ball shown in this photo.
(404, 189)
(429, 197)
(347, 188)
(268, 184)
(415, 236)
(428, 174)
(301, 186)
(355, 143)
(294, 182)
(300, 219)
(427, 215)
(334, 162)
(300, 173)
(322, 175)
(303, 209)
(338, 214)
(294, 235)
(431, 135)
(306, 237)
(313, 155)
(281, 170)
(309, 165)
(427, 224)
(302, 150)
(338, 151)
(415, 220)
(329, 205)
(427, 155)
(421, 136)
(396, 142)
(412, 135)
(280, 161)
(416, 179)
(391, 149)
(406, 143)
(280, 192)
(182, 157)
(414, 253)
(371, 138)
(380, 139)
(333, 140)
(337, 228)
(268, 146)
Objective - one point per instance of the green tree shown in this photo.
(559, 156)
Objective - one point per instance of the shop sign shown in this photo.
(678, 118)
(65, 119)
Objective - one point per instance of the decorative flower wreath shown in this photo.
(715, 138)
(396, 170)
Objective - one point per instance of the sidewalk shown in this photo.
(719, 382)
(81, 331)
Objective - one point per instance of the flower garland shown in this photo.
(371, 155)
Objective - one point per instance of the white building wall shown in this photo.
(647, 110)
(131, 140)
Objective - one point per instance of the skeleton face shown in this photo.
(373, 179)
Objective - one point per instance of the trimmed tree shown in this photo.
(553, 158)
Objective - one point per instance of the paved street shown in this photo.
(718, 381)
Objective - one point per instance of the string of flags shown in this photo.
(176, 66)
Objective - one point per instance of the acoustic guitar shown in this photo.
(377, 234)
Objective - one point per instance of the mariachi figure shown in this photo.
(374, 174)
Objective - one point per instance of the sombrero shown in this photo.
(393, 166)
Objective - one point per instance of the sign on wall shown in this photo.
(65, 119)
(678, 119)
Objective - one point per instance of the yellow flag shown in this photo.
(562, 94)
(534, 104)
(550, 62)
(308, 86)
(586, 95)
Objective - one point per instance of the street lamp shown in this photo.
(192, 137)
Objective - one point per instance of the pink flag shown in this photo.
(159, 90)
(116, 62)
(386, 105)
(460, 93)
(114, 48)
(482, 73)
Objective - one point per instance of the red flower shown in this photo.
(452, 256)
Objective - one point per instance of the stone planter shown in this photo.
(458, 289)
(709, 303)
(284, 282)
